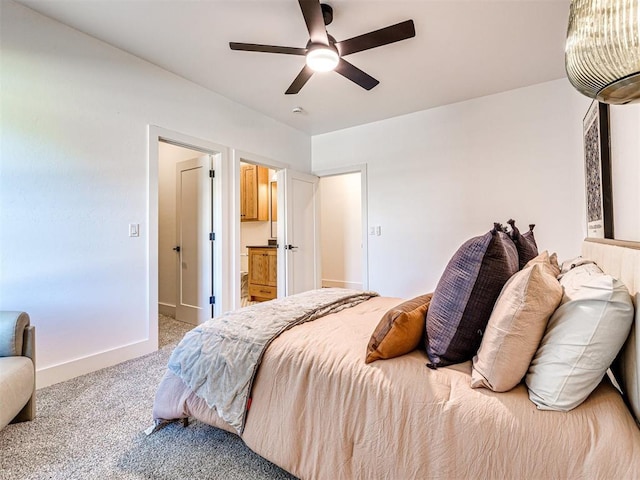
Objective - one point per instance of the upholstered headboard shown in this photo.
(622, 260)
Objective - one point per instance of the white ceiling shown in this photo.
(462, 50)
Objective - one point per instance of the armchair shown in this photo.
(17, 368)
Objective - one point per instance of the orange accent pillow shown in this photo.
(400, 330)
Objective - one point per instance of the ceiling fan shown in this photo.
(324, 54)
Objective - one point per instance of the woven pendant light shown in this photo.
(602, 55)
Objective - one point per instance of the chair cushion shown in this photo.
(17, 378)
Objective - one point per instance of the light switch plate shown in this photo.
(134, 229)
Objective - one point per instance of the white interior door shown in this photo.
(298, 235)
(194, 248)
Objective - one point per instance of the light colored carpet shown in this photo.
(91, 427)
(170, 331)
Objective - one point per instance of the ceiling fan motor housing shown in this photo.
(332, 43)
(327, 13)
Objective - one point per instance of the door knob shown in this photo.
(176, 248)
(289, 247)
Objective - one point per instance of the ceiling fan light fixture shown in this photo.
(323, 54)
(602, 54)
(322, 58)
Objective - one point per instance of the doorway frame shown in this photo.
(221, 218)
(254, 159)
(362, 169)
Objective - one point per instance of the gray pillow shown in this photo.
(465, 295)
(525, 243)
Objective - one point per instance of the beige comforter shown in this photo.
(320, 412)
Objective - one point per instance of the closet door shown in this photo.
(194, 198)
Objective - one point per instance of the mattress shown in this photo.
(319, 411)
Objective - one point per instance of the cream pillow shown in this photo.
(550, 262)
(553, 259)
(582, 339)
(515, 328)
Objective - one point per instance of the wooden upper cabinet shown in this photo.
(254, 193)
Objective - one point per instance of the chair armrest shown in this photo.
(13, 327)
(29, 343)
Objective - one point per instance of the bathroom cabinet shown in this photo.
(263, 273)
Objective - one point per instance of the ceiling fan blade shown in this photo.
(356, 75)
(301, 79)
(377, 38)
(254, 47)
(312, 13)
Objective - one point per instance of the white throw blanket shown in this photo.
(219, 359)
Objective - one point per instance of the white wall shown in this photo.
(341, 231)
(74, 174)
(624, 126)
(441, 176)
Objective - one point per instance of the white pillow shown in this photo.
(582, 339)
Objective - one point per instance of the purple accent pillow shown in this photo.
(465, 295)
(525, 244)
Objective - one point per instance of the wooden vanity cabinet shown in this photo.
(263, 273)
(254, 193)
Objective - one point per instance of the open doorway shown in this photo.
(219, 263)
(294, 219)
(290, 262)
(185, 219)
(343, 227)
(258, 188)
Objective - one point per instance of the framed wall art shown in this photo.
(597, 167)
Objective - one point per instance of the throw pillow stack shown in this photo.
(517, 315)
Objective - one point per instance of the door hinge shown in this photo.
(212, 300)
(212, 173)
(212, 236)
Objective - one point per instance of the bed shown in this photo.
(318, 411)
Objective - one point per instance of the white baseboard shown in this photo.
(326, 283)
(74, 368)
(167, 309)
